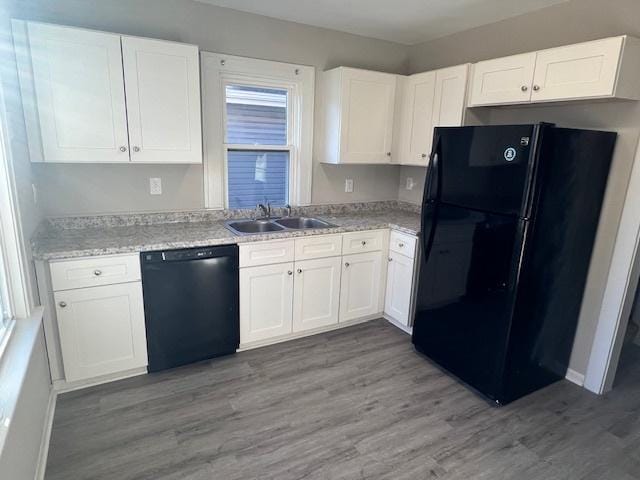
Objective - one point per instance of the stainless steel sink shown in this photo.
(249, 227)
(300, 223)
(246, 227)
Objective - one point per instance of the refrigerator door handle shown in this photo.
(434, 172)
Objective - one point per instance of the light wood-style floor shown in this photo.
(352, 404)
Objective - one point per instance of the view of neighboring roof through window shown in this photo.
(257, 117)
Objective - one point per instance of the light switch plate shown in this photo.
(348, 185)
(155, 186)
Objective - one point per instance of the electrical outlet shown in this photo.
(348, 185)
(155, 186)
(410, 183)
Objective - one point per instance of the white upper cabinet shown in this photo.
(95, 97)
(77, 79)
(163, 100)
(428, 100)
(606, 68)
(503, 80)
(358, 116)
(416, 119)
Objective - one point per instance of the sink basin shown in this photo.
(299, 223)
(253, 226)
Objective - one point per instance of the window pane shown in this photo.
(257, 177)
(256, 116)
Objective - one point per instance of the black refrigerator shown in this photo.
(509, 218)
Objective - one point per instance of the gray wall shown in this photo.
(571, 22)
(118, 188)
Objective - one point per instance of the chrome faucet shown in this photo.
(266, 211)
(287, 208)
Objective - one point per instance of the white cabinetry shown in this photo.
(93, 97)
(266, 302)
(358, 116)
(606, 68)
(79, 86)
(101, 328)
(428, 100)
(163, 100)
(399, 288)
(316, 293)
(361, 294)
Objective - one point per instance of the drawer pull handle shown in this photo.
(299, 270)
(97, 273)
(346, 264)
(401, 245)
(289, 272)
(62, 304)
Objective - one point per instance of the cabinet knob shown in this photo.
(364, 242)
(390, 259)
(299, 270)
(136, 149)
(62, 304)
(388, 154)
(401, 245)
(536, 88)
(123, 148)
(289, 272)
(346, 264)
(97, 273)
(424, 155)
(524, 88)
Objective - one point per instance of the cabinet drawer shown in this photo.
(402, 243)
(266, 253)
(359, 242)
(94, 271)
(321, 246)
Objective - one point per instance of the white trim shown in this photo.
(307, 333)
(62, 386)
(575, 377)
(397, 324)
(46, 436)
(619, 292)
(217, 71)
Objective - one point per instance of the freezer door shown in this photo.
(465, 292)
(484, 168)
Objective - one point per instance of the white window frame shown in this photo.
(218, 71)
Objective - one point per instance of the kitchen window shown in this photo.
(258, 124)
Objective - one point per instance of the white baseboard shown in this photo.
(62, 386)
(46, 435)
(397, 324)
(307, 333)
(575, 377)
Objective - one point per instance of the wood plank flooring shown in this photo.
(358, 403)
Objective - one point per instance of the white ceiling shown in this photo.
(402, 21)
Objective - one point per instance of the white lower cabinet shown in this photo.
(360, 291)
(316, 293)
(397, 303)
(102, 330)
(266, 302)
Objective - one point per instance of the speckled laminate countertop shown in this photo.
(53, 242)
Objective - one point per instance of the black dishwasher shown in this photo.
(191, 303)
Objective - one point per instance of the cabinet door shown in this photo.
(503, 80)
(102, 330)
(316, 294)
(397, 302)
(163, 100)
(577, 71)
(77, 78)
(360, 291)
(416, 134)
(266, 302)
(368, 100)
(450, 96)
